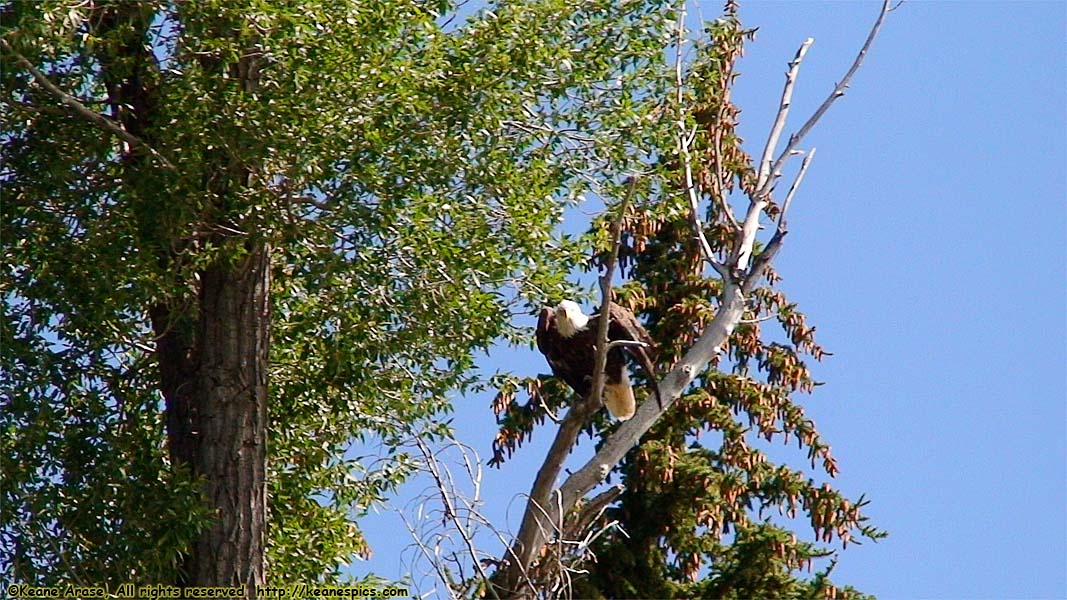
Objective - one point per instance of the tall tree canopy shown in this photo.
(238, 234)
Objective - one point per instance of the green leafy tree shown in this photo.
(238, 235)
(692, 516)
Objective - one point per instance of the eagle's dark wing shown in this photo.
(570, 359)
(546, 327)
(625, 326)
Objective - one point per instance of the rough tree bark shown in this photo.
(215, 386)
(232, 417)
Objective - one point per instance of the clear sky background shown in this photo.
(928, 246)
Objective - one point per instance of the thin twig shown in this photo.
(441, 572)
(720, 175)
(839, 90)
(80, 109)
(629, 343)
(684, 139)
(720, 184)
(594, 508)
(548, 411)
(793, 188)
(450, 512)
(602, 343)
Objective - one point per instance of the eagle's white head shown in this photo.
(569, 318)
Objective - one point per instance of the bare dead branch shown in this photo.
(593, 509)
(793, 188)
(694, 210)
(438, 567)
(759, 200)
(737, 284)
(605, 297)
(684, 139)
(548, 411)
(458, 514)
(783, 114)
(721, 189)
(763, 261)
(622, 343)
(839, 90)
(720, 185)
(684, 372)
(75, 106)
(537, 517)
(450, 512)
(541, 515)
(748, 232)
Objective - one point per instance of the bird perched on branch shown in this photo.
(567, 337)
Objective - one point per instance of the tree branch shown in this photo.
(737, 284)
(839, 90)
(762, 261)
(684, 139)
(793, 188)
(759, 200)
(748, 232)
(605, 298)
(75, 106)
(593, 509)
(442, 573)
(783, 114)
(542, 515)
(621, 343)
(673, 385)
(450, 511)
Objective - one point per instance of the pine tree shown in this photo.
(694, 515)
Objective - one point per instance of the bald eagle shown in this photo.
(567, 338)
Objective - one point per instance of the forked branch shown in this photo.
(793, 188)
(450, 511)
(684, 140)
(838, 91)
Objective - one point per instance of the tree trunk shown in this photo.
(232, 453)
(216, 399)
(213, 358)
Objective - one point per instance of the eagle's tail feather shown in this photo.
(619, 398)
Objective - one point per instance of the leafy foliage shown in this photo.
(407, 175)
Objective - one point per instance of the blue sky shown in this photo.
(928, 246)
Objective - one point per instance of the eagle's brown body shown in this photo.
(567, 338)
